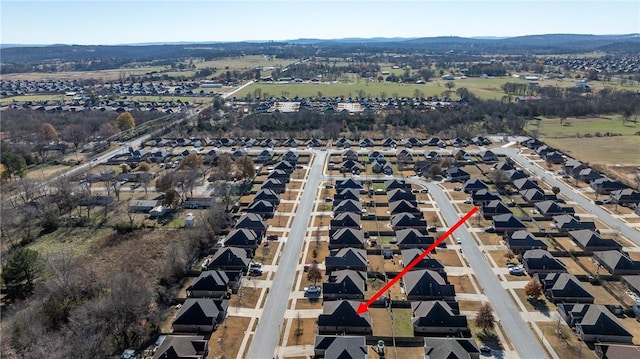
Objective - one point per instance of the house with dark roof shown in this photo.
(413, 238)
(348, 205)
(263, 208)
(348, 183)
(409, 255)
(425, 284)
(407, 220)
(200, 315)
(290, 142)
(553, 157)
(229, 258)
(493, 208)
(488, 156)
(587, 175)
(242, 238)
(540, 261)
(458, 348)
(403, 206)
(348, 193)
(412, 142)
(285, 166)
(503, 166)
(617, 262)
(432, 141)
(340, 346)
(281, 175)
(397, 184)
(347, 237)
(564, 288)
(456, 174)
(366, 142)
(382, 167)
(524, 183)
(625, 196)
(350, 155)
(549, 208)
(483, 195)
(341, 317)
(616, 351)
(570, 164)
(398, 194)
(209, 284)
(182, 347)
(276, 185)
(389, 142)
(345, 284)
(291, 156)
(567, 223)
(268, 195)
(376, 156)
(507, 223)
(437, 318)
(534, 195)
(346, 220)
(253, 222)
(521, 241)
(474, 184)
(594, 323)
(264, 156)
(591, 241)
(515, 174)
(606, 186)
(346, 258)
(632, 282)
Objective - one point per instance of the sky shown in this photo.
(143, 21)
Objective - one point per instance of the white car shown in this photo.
(468, 201)
(313, 289)
(458, 240)
(516, 271)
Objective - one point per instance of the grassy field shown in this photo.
(242, 63)
(572, 126)
(600, 150)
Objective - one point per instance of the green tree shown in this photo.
(15, 164)
(125, 121)
(20, 271)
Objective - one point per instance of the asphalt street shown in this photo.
(523, 340)
(267, 336)
(571, 193)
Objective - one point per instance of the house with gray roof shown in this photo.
(409, 255)
(521, 241)
(474, 184)
(346, 258)
(425, 284)
(345, 284)
(594, 323)
(540, 261)
(264, 208)
(590, 241)
(617, 262)
(459, 348)
(182, 346)
(348, 205)
(437, 318)
(341, 317)
(253, 222)
(209, 284)
(567, 223)
(346, 237)
(346, 220)
(507, 223)
(403, 206)
(340, 346)
(413, 238)
(550, 208)
(564, 287)
(200, 315)
(407, 220)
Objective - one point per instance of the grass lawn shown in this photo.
(462, 283)
(402, 326)
(247, 297)
(306, 303)
(225, 341)
(449, 257)
(74, 240)
(541, 305)
(470, 305)
(563, 341)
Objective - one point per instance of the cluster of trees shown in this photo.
(491, 69)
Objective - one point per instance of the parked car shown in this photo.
(516, 270)
(432, 229)
(458, 240)
(490, 229)
(485, 349)
(457, 188)
(312, 290)
(468, 201)
(272, 237)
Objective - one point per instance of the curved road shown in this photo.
(267, 336)
(523, 340)
(571, 193)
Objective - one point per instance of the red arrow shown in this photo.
(363, 307)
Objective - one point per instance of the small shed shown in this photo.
(189, 219)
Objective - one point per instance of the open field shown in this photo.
(243, 63)
(228, 337)
(573, 126)
(563, 340)
(599, 150)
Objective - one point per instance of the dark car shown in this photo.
(485, 349)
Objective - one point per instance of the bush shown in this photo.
(126, 227)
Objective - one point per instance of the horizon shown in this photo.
(159, 21)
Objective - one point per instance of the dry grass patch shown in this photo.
(266, 254)
(631, 324)
(500, 258)
(322, 220)
(278, 221)
(371, 226)
(321, 250)
(601, 295)
(225, 341)
(462, 283)
(470, 305)
(380, 321)
(541, 305)
(572, 266)
(392, 265)
(303, 331)
(449, 257)
(563, 340)
(376, 263)
(489, 239)
(247, 297)
(306, 303)
(285, 207)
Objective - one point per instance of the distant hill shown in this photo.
(111, 55)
